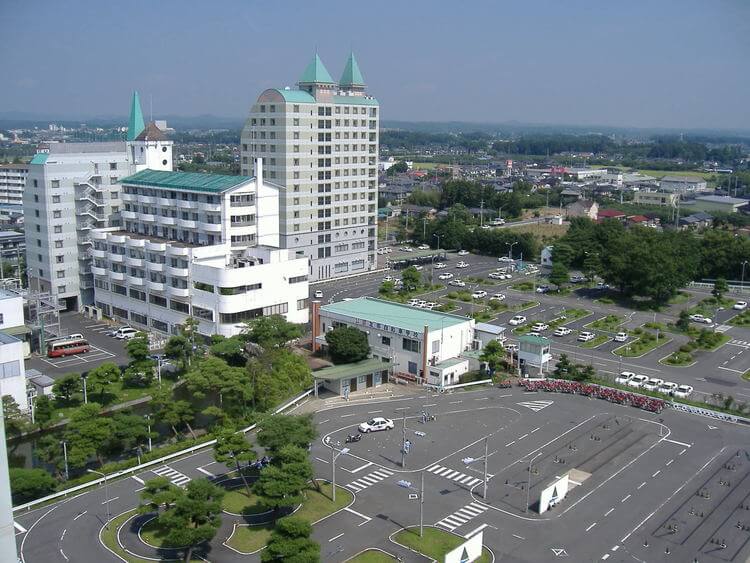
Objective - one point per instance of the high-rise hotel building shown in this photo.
(320, 142)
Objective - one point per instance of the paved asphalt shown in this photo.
(639, 474)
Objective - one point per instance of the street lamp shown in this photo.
(742, 283)
(420, 492)
(85, 394)
(528, 485)
(510, 250)
(65, 458)
(148, 427)
(106, 493)
(470, 460)
(334, 457)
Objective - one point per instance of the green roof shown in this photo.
(392, 314)
(355, 100)
(316, 73)
(345, 371)
(534, 339)
(194, 181)
(450, 362)
(135, 123)
(296, 96)
(39, 158)
(351, 75)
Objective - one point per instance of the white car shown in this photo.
(376, 424)
(430, 305)
(621, 337)
(505, 259)
(408, 249)
(562, 331)
(668, 388)
(517, 320)
(652, 384)
(440, 266)
(462, 264)
(445, 276)
(683, 391)
(700, 319)
(412, 302)
(496, 276)
(637, 380)
(498, 296)
(479, 294)
(388, 278)
(586, 336)
(457, 283)
(423, 247)
(463, 252)
(539, 327)
(506, 276)
(418, 268)
(421, 303)
(126, 333)
(740, 305)
(318, 294)
(624, 377)
(486, 227)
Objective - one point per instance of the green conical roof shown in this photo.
(316, 73)
(351, 75)
(135, 123)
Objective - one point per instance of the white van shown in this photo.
(126, 333)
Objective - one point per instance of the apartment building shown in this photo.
(320, 142)
(74, 188)
(200, 245)
(12, 349)
(12, 182)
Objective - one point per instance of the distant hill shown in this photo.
(25, 120)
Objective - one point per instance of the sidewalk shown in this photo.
(386, 391)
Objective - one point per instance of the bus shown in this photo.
(67, 347)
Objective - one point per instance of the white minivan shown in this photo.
(126, 333)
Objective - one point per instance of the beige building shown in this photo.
(320, 142)
(656, 198)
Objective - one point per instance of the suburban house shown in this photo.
(610, 214)
(583, 208)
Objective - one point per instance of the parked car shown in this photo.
(445, 276)
(602, 285)
(621, 337)
(424, 247)
(318, 293)
(412, 302)
(496, 276)
(376, 424)
(126, 333)
(114, 331)
(512, 348)
(668, 388)
(418, 268)
(389, 278)
(440, 266)
(479, 294)
(740, 305)
(498, 296)
(462, 264)
(637, 380)
(700, 319)
(652, 384)
(562, 331)
(586, 336)
(505, 259)
(624, 377)
(517, 320)
(542, 289)
(538, 327)
(457, 283)
(463, 252)
(577, 279)
(683, 391)
(506, 276)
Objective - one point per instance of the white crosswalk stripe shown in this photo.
(462, 516)
(370, 479)
(456, 476)
(535, 406)
(740, 343)
(174, 476)
(723, 328)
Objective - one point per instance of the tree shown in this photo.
(194, 516)
(44, 409)
(563, 369)
(87, 434)
(591, 265)
(563, 253)
(273, 331)
(129, 431)
(683, 322)
(347, 344)
(295, 460)
(387, 288)
(16, 422)
(275, 375)
(158, 494)
(231, 350)
(720, 288)
(171, 412)
(137, 348)
(30, 484)
(411, 279)
(559, 274)
(398, 168)
(102, 378)
(279, 488)
(290, 542)
(225, 387)
(275, 432)
(494, 355)
(179, 349)
(232, 446)
(49, 449)
(66, 386)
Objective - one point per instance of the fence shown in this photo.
(135, 469)
(733, 288)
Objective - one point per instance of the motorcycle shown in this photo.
(353, 438)
(427, 417)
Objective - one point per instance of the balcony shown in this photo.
(136, 242)
(168, 220)
(187, 224)
(155, 286)
(98, 253)
(117, 276)
(216, 207)
(100, 235)
(186, 204)
(116, 258)
(135, 262)
(98, 271)
(177, 272)
(147, 217)
(178, 291)
(117, 238)
(175, 250)
(211, 227)
(147, 199)
(133, 280)
(127, 214)
(128, 197)
(155, 266)
(164, 202)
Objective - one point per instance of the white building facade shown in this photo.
(12, 373)
(320, 142)
(12, 183)
(199, 245)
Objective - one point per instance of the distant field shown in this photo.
(661, 173)
(543, 230)
(426, 165)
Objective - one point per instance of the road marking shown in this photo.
(535, 406)
(365, 518)
(138, 479)
(324, 421)
(63, 554)
(605, 556)
(462, 516)
(430, 405)
(455, 402)
(522, 437)
(81, 514)
(18, 527)
(682, 452)
(623, 500)
(609, 512)
(482, 399)
(670, 462)
(352, 414)
(641, 485)
(335, 537)
(205, 472)
(616, 548)
(676, 442)
(535, 429)
(373, 412)
(174, 476)
(370, 479)
(519, 537)
(65, 531)
(475, 530)
(360, 468)
(110, 500)
(730, 369)
(510, 443)
(592, 525)
(323, 460)
(655, 474)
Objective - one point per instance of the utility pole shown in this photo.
(421, 504)
(424, 228)
(481, 213)
(484, 492)
(403, 443)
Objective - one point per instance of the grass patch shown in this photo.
(482, 316)
(154, 534)
(746, 375)
(609, 323)
(248, 539)
(109, 537)
(523, 286)
(743, 319)
(680, 298)
(318, 504)
(605, 301)
(525, 305)
(446, 307)
(678, 359)
(237, 501)
(372, 556)
(546, 231)
(482, 281)
(464, 296)
(434, 543)
(645, 342)
(597, 341)
(497, 306)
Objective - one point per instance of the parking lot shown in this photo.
(631, 472)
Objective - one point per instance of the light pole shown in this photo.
(742, 282)
(106, 493)
(470, 460)
(403, 443)
(334, 457)
(65, 458)
(510, 250)
(148, 427)
(407, 485)
(85, 395)
(528, 485)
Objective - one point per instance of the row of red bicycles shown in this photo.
(649, 404)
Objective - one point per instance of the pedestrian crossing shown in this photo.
(722, 328)
(370, 479)
(174, 476)
(744, 343)
(535, 406)
(462, 516)
(456, 476)
(99, 327)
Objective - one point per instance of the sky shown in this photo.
(634, 63)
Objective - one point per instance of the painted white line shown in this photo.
(335, 537)
(138, 480)
(592, 525)
(63, 554)
(522, 437)
(373, 412)
(324, 421)
(322, 460)
(479, 529)
(605, 556)
(205, 472)
(345, 415)
(510, 443)
(626, 498)
(111, 500)
(655, 474)
(535, 429)
(366, 518)
(641, 485)
(65, 531)
(609, 512)
(682, 452)
(670, 462)
(20, 528)
(482, 399)
(360, 468)
(430, 405)
(81, 514)
(616, 548)
(676, 442)
(455, 402)
(519, 537)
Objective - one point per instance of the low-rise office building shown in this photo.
(667, 199)
(682, 184)
(12, 374)
(720, 203)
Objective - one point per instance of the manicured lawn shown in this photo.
(641, 346)
(434, 543)
(525, 305)
(318, 504)
(523, 286)
(746, 375)
(743, 319)
(681, 297)
(597, 341)
(248, 539)
(237, 501)
(609, 323)
(109, 537)
(372, 556)
(425, 165)
(154, 535)
(678, 359)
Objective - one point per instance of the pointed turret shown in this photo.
(135, 123)
(316, 73)
(351, 77)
